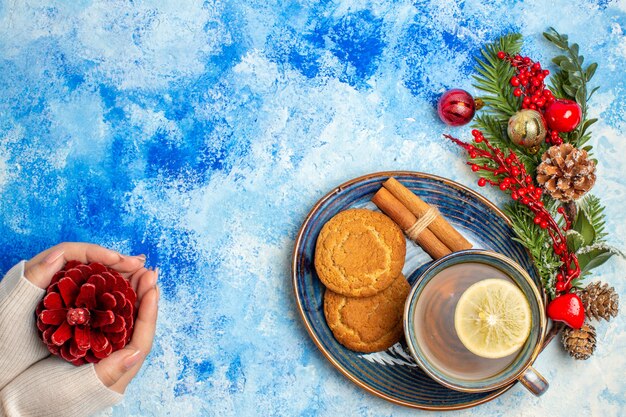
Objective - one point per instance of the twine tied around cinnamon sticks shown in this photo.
(421, 222)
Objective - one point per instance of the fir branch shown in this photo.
(537, 241)
(570, 82)
(494, 76)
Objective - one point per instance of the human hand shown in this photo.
(41, 268)
(47, 379)
(117, 370)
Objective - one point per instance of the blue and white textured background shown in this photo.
(201, 133)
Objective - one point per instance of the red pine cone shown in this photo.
(88, 313)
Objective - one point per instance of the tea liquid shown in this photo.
(434, 323)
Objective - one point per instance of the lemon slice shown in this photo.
(493, 318)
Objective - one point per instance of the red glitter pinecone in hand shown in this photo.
(87, 313)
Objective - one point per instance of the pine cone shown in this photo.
(565, 172)
(600, 301)
(88, 312)
(579, 343)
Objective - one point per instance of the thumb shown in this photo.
(40, 272)
(113, 367)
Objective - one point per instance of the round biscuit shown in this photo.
(359, 252)
(369, 324)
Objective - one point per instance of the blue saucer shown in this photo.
(393, 374)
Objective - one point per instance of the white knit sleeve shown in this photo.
(55, 388)
(20, 345)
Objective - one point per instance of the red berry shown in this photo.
(525, 200)
(557, 141)
(560, 210)
(482, 182)
(537, 220)
(517, 92)
(503, 186)
(501, 54)
(475, 168)
(546, 72)
(473, 154)
(514, 195)
(559, 286)
(479, 139)
(526, 60)
(515, 171)
(476, 133)
(559, 277)
(515, 81)
(528, 180)
(543, 224)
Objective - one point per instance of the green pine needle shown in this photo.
(538, 243)
(494, 76)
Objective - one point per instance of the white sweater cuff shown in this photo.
(55, 388)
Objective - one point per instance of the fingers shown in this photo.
(146, 282)
(40, 269)
(112, 368)
(120, 368)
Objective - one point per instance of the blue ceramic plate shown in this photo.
(393, 374)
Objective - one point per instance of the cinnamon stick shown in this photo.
(393, 208)
(439, 226)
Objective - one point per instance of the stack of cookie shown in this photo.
(359, 257)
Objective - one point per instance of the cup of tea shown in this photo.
(441, 349)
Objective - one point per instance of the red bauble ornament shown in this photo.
(563, 115)
(88, 313)
(456, 107)
(569, 309)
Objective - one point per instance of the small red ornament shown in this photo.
(88, 313)
(563, 115)
(569, 309)
(456, 107)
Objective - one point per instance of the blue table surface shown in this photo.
(201, 133)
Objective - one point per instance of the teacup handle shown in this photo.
(534, 382)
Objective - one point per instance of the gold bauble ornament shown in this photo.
(527, 128)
